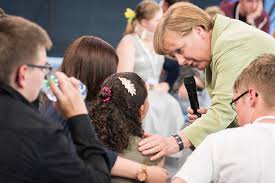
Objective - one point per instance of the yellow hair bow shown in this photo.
(130, 14)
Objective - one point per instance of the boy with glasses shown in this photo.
(34, 149)
(244, 154)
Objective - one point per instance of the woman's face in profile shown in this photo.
(193, 49)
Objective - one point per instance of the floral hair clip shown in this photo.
(106, 94)
(128, 85)
(130, 14)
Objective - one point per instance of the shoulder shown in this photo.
(230, 136)
(127, 39)
(126, 43)
(133, 154)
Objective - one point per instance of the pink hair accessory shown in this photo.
(107, 94)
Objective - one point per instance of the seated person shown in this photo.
(91, 60)
(244, 154)
(117, 114)
(249, 11)
(33, 148)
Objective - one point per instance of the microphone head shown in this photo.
(190, 83)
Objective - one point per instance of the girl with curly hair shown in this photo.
(91, 60)
(117, 113)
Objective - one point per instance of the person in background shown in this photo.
(249, 148)
(136, 54)
(91, 60)
(33, 148)
(223, 47)
(117, 115)
(249, 11)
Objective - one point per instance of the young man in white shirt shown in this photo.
(244, 154)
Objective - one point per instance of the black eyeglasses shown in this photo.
(233, 102)
(47, 68)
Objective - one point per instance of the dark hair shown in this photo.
(117, 119)
(20, 40)
(91, 60)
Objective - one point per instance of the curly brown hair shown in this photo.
(115, 113)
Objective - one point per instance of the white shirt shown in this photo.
(239, 155)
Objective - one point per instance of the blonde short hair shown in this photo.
(180, 18)
(259, 74)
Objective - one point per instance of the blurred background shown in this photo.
(66, 20)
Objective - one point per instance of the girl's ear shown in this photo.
(142, 110)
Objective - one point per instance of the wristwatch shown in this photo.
(142, 173)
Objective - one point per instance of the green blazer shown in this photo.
(234, 45)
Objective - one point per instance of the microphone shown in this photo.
(190, 85)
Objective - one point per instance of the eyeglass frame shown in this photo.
(46, 66)
(233, 102)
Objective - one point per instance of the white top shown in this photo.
(239, 155)
(148, 65)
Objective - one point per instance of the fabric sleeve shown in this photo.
(87, 162)
(112, 155)
(227, 65)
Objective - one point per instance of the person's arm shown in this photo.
(88, 147)
(126, 54)
(62, 163)
(88, 162)
(219, 115)
(127, 168)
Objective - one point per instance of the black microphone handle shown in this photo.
(190, 85)
(194, 103)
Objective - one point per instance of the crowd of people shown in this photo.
(135, 123)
